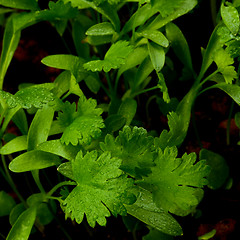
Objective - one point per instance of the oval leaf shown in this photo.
(230, 17)
(33, 160)
(23, 226)
(156, 36)
(101, 29)
(15, 145)
(157, 56)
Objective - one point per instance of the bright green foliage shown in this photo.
(81, 124)
(134, 147)
(22, 227)
(28, 97)
(59, 9)
(101, 188)
(109, 1)
(170, 138)
(230, 17)
(20, 4)
(166, 7)
(223, 61)
(175, 182)
(114, 58)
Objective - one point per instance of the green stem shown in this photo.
(229, 124)
(54, 189)
(35, 174)
(10, 181)
(109, 82)
(145, 90)
(208, 77)
(213, 5)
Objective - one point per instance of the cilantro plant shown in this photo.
(105, 161)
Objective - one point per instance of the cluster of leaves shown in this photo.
(115, 166)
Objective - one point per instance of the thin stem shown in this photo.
(229, 124)
(145, 90)
(54, 189)
(35, 174)
(213, 5)
(10, 181)
(109, 82)
(209, 77)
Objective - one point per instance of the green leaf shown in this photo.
(40, 127)
(208, 235)
(134, 148)
(102, 188)
(231, 89)
(230, 17)
(143, 72)
(135, 58)
(10, 42)
(157, 56)
(21, 4)
(156, 36)
(179, 45)
(105, 9)
(33, 160)
(219, 168)
(22, 227)
(20, 120)
(101, 29)
(114, 122)
(176, 182)
(114, 58)
(157, 235)
(66, 170)
(81, 125)
(170, 10)
(17, 144)
(128, 110)
(146, 210)
(67, 62)
(7, 203)
(68, 152)
(167, 7)
(223, 60)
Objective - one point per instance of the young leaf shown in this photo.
(231, 89)
(176, 182)
(146, 210)
(179, 45)
(219, 168)
(157, 56)
(100, 29)
(230, 17)
(170, 10)
(40, 127)
(101, 188)
(17, 144)
(155, 36)
(21, 4)
(223, 59)
(128, 110)
(134, 148)
(105, 9)
(114, 58)
(56, 147)
(33, 160)
(22, 227)
(81, 125)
